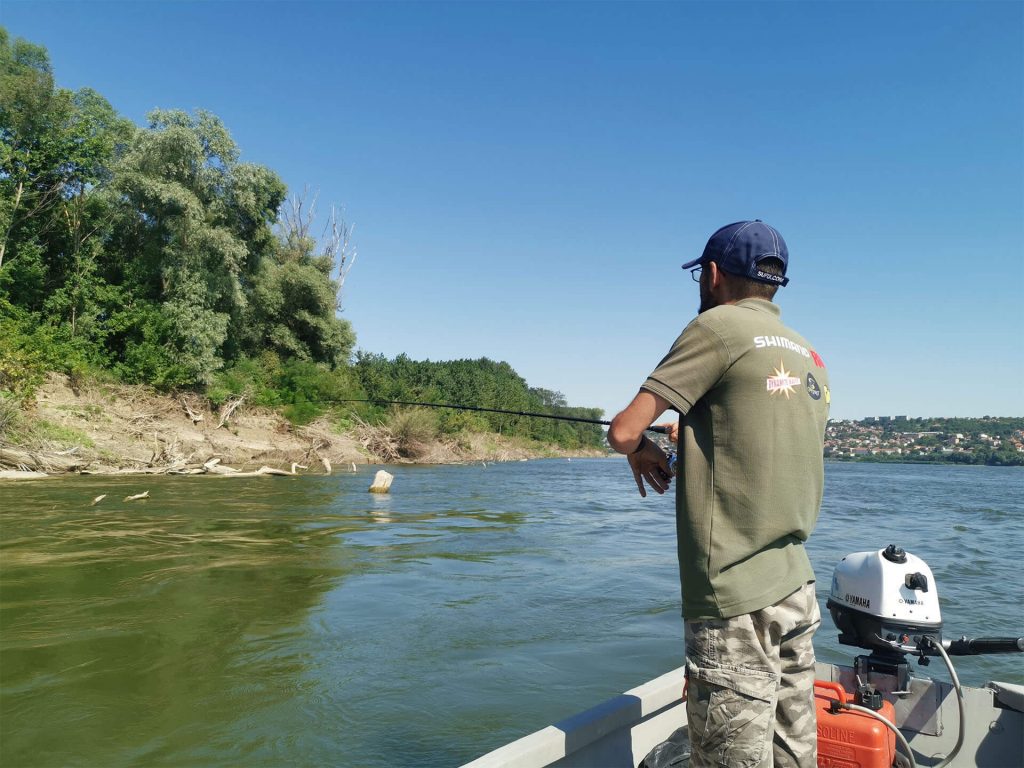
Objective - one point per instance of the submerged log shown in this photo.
(382, 482)
(261, 472)
(214, 467)
(273, 471)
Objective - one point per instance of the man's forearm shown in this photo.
(626, 433)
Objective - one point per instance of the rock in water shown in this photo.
(382, 482)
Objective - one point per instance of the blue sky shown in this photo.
(525, 179)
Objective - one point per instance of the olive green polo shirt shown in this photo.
(754, 398)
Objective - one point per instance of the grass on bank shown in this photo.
(20, 428)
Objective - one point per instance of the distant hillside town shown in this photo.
(988, 440)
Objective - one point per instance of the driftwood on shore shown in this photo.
(228, 409)
(211, 467)
(17, 464)
(21, 474)
(27, 461)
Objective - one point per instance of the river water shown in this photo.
(304, 621)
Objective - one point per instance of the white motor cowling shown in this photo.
(883, 596)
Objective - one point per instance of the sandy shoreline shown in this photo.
(113, 429)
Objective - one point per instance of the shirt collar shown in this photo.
(760, 305)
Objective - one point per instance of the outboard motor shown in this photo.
(884, 597)
(885, 601)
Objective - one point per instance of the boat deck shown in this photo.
(624, 729)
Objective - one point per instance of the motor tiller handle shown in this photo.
(972, 646)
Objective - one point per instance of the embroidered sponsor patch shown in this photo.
(812, 387)
(817, 359)
(762, 342)
(782, 381)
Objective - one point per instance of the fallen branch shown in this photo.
(195, 417)
(228, 409)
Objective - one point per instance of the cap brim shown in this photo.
(694, 263)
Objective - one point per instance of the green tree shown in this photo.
(480, 383)
(192, 227)
(296, 293)
(55, 151)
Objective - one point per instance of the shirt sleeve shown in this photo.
(693, 365)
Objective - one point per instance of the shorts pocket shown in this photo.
(738, 708)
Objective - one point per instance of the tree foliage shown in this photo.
(155, 254)
(481, 383)
(154, 251)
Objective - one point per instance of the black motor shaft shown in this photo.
(970, 646)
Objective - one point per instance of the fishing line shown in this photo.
(555, 416)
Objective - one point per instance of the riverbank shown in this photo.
(117, 429)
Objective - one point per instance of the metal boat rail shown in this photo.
(624, 729)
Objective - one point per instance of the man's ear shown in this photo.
(714, 276)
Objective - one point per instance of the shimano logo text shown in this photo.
(761, 342)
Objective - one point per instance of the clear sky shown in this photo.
(525, 179)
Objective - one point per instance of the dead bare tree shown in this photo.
(335, 242)
(339, 247)
(296, 222)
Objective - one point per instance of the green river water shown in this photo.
(305, 622)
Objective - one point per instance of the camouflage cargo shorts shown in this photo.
(750, 686)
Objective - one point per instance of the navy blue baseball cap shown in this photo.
(738, 248)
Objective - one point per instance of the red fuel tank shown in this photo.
(849, 739)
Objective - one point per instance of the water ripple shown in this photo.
(309, 622)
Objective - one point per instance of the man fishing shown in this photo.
(754, 398)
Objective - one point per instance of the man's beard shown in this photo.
(706, 300)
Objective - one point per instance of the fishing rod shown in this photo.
(556, 417)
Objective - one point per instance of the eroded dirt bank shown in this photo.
(111, 428)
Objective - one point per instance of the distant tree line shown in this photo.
(481, 383)
(154, 255)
